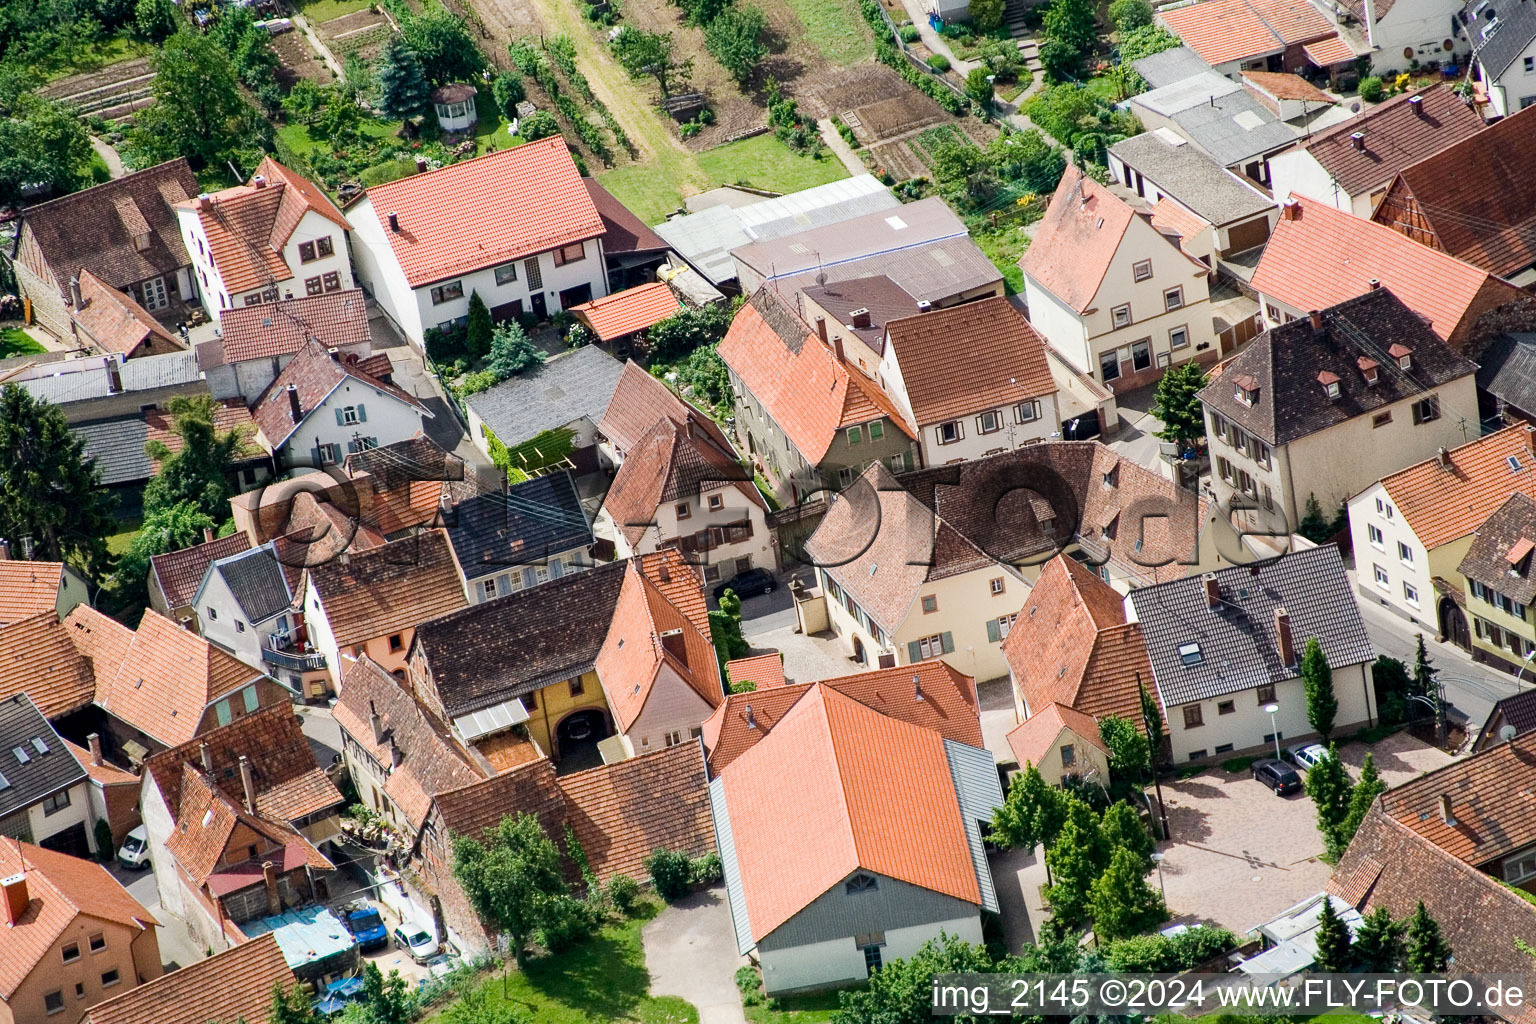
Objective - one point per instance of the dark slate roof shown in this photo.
(526, 525)
(1506, 369)
(1518, 710)
(1517, 28)
(885, 299)
(1508, 533)
(41, 774)
(1237, 638)
(1285, 363)
(623, 232)
(565, 389)
(257, 581)
(118, 448)
(492, 652)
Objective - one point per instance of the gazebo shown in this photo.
(455, 106)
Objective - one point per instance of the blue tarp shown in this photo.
(308, 936)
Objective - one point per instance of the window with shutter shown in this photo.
(994, 633)
(362, 414)
(949, 643)
(914, 651)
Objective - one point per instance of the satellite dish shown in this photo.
(821, 278)
(1354, 108)
(1507, 733)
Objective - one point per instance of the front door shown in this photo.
(154, 294)
(1453, 625)
(540, 309)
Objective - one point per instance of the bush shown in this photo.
(751, 984)
(565, 921)
(624, 893)
(444, 346)
(1371, 89)
(978, 85)
(474, 383)
(1130, 14)
(104, 848)
(688, 329)
(988, 14)
(938, 62)
(540, 124)
(1145, 41)
(706, 870)
(909, 33)
(1060, 61)
(1153, 954)
(577, 335)
(671, 873)
(509, 92)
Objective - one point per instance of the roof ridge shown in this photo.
(846, 817)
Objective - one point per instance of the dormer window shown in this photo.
(1404, 356)
(1190, 654)
(1330, 383)
(1245, 391)
(1369, 369)
(141, 241)
(1519, 556)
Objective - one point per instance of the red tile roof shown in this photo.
(1221, 31)
(1169, 216)
(622, 313)
(27, 588)
(102, 641)
(930, 694)
(1286, 86)
(337, 320)
(315, 373)
(797, 379)
(37, 657)
(638, 401)
(1076, 240)
(672, 463)
(181, 572)
(1032, 739)
(208, 825)
(1323, 256)
(856, 780)
(387, 589)
(61, 889)
(115, 322)
(967, 358)
(1324, 53)
(228, 414)
(105, 773)
(234, 984)
(486, 211)
(763, 671)
(1443, 503)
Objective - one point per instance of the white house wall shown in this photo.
(159, 826)
(1059, 325)
(77, 813)
(1247, 725)
(839, 961)
(589, 270)
(379, 272)
(1297, 171)
(387, 420)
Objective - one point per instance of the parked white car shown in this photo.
(416, 940)
(1306, 755)
(134, 853)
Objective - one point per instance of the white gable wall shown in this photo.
(380, 417)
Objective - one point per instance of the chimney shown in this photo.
(751, 722)
(75, 298)
(1443, 457)
(1290, 210)
(208, 537)
(1530, 443)
(1358, 141)
(924, 306)
(837, 347)
(860, 317)
(274, 898)
(294, 407)
(1445, 809)
(207, 756)
(1212, 590)
(1374, 283)
(672, 641)
(260, 181)
(16, 899)
(94, 742)
(204, 201)
(375, 723)
(396, 755)
(917, 687)
(1316, 317)
(248, 783)
(1416, 104)
(394, 222)
(421, 165)
(821, 328)
(688, 425)
(114, 378)
(1284, 642)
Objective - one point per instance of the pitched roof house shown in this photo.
(1497, 571)
(53, 905)
(1412, 529)
(314, 413)
(1367, 376)
(508, 541)
(1227, 644)
(1470, 200)
(1114, 295)
(1501, 40)
(409, 482)
(1517, 712)
(1220, 118)
(617, 316)
(256, 342)
(38, 658)
(28, 588)
(560, 402)
(122, 231)
(1350, 164)
(638, 401)
(112, 321)
(632, 250)
(235, 984)
(45, 798)
(855, 779)
(1319, 256)
(1062, 743)
(276, 236)
(517, 226)
(175, 576)
(1241, 35)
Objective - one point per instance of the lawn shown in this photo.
(298, 139)
(491, 130)
(16, 342)
(836, 28)
(1004, 246)
(811, 1009)
(764, 162)
(122, 540)
(324, 10)
(99, 54)
(600, 981)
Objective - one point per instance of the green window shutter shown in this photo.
(906, 460)
(362, 413)
(949, 643)
(221, 711)
(250, 699)
(994, 635)
(340, 421)
(914, 652)
(876, 430)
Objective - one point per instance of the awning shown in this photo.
(494, 719)
(1327, 52)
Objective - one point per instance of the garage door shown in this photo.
(1248, 235)
(71, 841)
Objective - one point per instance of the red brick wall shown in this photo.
(122, 800)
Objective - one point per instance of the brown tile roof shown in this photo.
(115, 322)
(1077, 239)
(309, 529)
(27, 588)
(1286, 86)
(168, 678)
(208, 824)
(680, 583)
(674, 462)
(639, 401)
(797, 379)
(486, 211)
(1480, 917)
(105, 773)
(1032, 739)
(856, 780)
(289, 784)
(1474, 196)
(622, 231)
(389, 588)
(634, 653)
(228, 414)
(102, 641)
(883, 298)
(37, 658)
(1221, 31)
(315, 373)
(181, 572)
(432, 761)
(61, 889)
(234, 984)
(1395, 137)
(764, 671)
(620, 314)
(94, 230)
(930, 694)
(1324, 255)
(337, 320)
(1071, 645)
(1500, 553)
(966, 358)
(532, 788)
(1442, 503)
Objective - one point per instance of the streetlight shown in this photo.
(1157, 858)
(1527, 664)
(1274, 730)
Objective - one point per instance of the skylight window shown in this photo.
(1190, 654)
(1514, 463)
(39, 745)
(5, 783)
(21, 754)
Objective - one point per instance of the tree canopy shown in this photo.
(197, 472)
(444, 46)
(1122, 902)
(1032, 812)
(734, 39)
(1175, 401)
(511, 876)
(1317, 683)
(650, 55)
(43, 143)
(403, 89)
(198, 110)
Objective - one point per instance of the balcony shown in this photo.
(280, 650)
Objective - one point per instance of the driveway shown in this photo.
(806, 658)
(177, 947)
(997, 717)
(690, 951)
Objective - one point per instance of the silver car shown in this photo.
(1306, 755)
